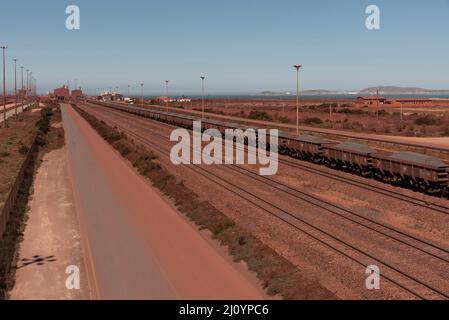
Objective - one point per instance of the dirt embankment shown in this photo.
(15, 141)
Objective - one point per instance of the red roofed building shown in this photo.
(61, 94)
(369, 100)
(76, 94)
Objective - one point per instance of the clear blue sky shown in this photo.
(241, 45)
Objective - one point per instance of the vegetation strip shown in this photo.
(278, 275)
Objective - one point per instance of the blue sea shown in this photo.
(304, 97)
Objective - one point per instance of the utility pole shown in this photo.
(202, 80)
(297, 67)
(4, 86)
(330, 113)
(21, 91)
(128, 90)
(30, 87)
(26, 85)
(166, 89)
(141, 88)
(15, 85)
(377, 109)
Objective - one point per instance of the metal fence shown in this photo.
(12, 197)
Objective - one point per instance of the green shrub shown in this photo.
(23, 150)
(445, 132)
(351, 111)
(426, 121)
(41, 139)
(260, 115)
(284, 120)
(314, 120)
(123, 148)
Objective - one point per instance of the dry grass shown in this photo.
(15, 141)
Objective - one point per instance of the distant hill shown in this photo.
(388, 90)
(318, 92)
(401, 90)
(306, 92)
(270, 93)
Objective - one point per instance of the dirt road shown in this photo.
(51, 239)
(138, 246)
(10, 111)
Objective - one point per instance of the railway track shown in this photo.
(311, 130)
(366, 185)
(370, 187)
(340, 211)
(413, 284)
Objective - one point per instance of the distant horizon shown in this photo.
(249, 96)
(268, 93)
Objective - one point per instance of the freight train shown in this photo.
(408, 169)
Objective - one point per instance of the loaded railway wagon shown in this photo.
(416, 170)
(413, 170)
(213, 124)
(305, 147)
(350, 156)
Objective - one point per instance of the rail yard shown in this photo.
(317, 218)
(234, 159)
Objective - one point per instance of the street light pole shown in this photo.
(15, 84)
(166, 89)
(4, 86)
(377, 109)
(202, 92)
(128, 90)
(21, 91)
(297, 67)
(30, 87)
(26, 85)
(330, 113)
(141, 88)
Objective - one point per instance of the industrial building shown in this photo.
(76, 94)
(61, 94)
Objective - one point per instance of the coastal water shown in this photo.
(304, 97)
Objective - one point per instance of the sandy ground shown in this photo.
(11, 111)
(51, 240)
(138, 246)
(439, 142)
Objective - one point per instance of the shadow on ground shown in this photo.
(35, 260)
